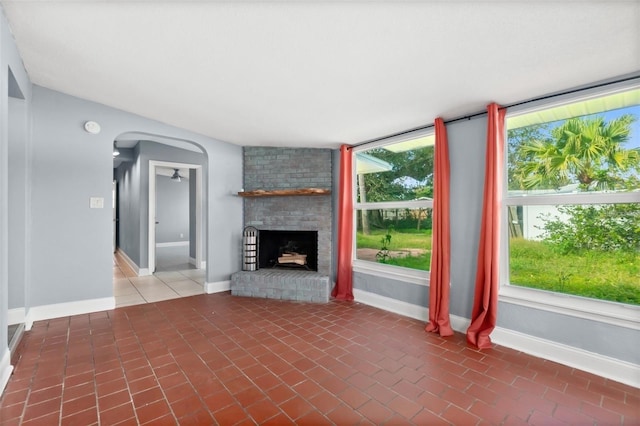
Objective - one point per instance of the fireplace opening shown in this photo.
(288, 249)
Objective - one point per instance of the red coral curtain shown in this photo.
(439, 281)
(485, 304)
(344, 281)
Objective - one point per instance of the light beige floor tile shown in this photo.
(169, 276)
(125, 290)
(187, 287)
(161, 297)
(150, 279)
(193, 273)
(129, 300)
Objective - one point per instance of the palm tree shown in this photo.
(583, 150)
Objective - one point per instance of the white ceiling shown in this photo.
(306, 73)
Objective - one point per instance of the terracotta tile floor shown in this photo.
(219, 359)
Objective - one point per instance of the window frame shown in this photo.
(605, 311)
(410, 275)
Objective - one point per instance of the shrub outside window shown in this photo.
(393, 203)
(572, 202)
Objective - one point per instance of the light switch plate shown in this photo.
(96, 203)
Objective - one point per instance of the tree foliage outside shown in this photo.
(582, 241)
(606, 228)
(410, 178)
(585, 150)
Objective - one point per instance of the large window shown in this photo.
(572, 204)
(393, 206)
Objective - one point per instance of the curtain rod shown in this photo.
(481, 113)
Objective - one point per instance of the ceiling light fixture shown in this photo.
(176, 176)
(116, 152)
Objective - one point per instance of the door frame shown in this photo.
(153, 165)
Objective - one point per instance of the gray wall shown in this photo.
(172, 210)
(72, 241)
(10, 59)
(18, 200)
(467, 140)
(192, 214)
(133, 187)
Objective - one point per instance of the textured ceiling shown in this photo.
(319, 73)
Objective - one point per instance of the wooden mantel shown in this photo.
(285, 192)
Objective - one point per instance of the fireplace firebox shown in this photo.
(288, 249)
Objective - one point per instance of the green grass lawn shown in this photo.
(599, 275)
(404, 239)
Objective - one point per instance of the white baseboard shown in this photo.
(141, 272)
(391, 305)
(5, 369)
(59, 310)
(16, 316)
(203, 264)
(173, 244)
(601, 365)
(217, 287)
(611, 368)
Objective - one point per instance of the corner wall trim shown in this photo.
(217, 287)
(173, 244)
(16, 316)
(601, 365)
(611, 368)
(194, 262)
(59, 310)
(5, 369)
(141, 272)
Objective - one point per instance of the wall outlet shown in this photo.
(181, 235)
(96, 202)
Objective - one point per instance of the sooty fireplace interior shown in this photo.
(288, 249)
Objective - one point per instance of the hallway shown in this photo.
(129, 289)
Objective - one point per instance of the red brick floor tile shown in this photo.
(10, 412)
(324, 402)
(78, 404)
(42, 395)
(44, 408)
(219, 400)
(152, 411)
(313, 418)
(296, 407)
(230, 360)
(353, 397)
(279, 420)
(404, 407)
(114, 400)
(375, 411)
(262, 410)
(230, 415)
(147, 397)
(343, 415)
(458, 416)
(87, 417)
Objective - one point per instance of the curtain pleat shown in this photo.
(439, 280)
(485, 304)
(343, 289)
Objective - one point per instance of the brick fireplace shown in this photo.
(287, 171)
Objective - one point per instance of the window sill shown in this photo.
(614, 313)
(392, 272)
